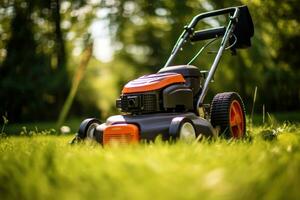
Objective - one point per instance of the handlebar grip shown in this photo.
(208, 34)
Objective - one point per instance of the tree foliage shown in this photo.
(40, 44)
(34, 70)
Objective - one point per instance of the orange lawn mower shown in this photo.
(169, 103)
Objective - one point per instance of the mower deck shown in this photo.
(152, 125)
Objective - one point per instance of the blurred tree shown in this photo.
(87, 54)
(21, 76)
(34, 76)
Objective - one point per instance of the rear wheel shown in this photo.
(228, 113)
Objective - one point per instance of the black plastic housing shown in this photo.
(208, 34)
(191, 74)
(177, 97)
(244, 29)
(138, 103)
(153, 125)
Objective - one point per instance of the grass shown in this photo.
(16, 128)
(281, 117)
(41, 166)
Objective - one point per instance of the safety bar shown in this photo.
(188, 30)
(231, 10)
(208, 34)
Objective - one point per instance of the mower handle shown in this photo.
(189, 29)
(208, 34)
(232, 10)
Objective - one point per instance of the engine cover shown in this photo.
(170, 90)
(152, 82)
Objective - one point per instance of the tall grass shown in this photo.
(46, 167)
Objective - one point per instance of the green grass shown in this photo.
(293, 116)
(16, 128)
(46, 167)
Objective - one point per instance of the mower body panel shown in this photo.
(152, 82)
(152, 125)
(173, 89)
(191, 74)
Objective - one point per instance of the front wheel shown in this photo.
(183, 129)
(87, 128)
(228, 113)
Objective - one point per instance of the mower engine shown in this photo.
(172, 89)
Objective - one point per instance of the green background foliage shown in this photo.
(42, 42)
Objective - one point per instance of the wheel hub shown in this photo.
(236, 119)
(187, 132)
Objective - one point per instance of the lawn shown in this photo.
(73, 123)
(42, 166)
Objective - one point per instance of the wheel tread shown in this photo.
(220, 111)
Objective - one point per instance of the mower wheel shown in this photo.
(228, 113)
(183, 129)
(87, 128)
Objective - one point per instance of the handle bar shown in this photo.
(231, 10)
(188, 30)
(208, 34)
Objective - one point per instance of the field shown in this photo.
(266, 165)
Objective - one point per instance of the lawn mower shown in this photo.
(170, 103)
